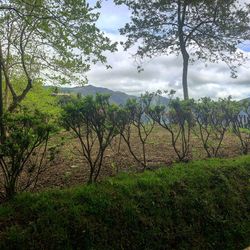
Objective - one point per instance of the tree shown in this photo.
(53, 40)
(94, 121)
(2, 132)
(239, 127)
(201, 29)
(177, 119)
(24, 151)
(213, 121)
(138, 121)
(41, 99)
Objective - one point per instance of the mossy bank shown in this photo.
(199, 205)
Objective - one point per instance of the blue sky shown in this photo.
(113, 17)
(163, 72)
(245, 46)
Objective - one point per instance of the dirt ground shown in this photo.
(69, 168)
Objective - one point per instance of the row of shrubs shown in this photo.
(199, 205)
(95, 122)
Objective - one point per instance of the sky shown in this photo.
(163, 72)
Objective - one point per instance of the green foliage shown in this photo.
(213, 119)
(95, 122)
(135, 117)
(178, 26)
(23, 150)
(40, 98)
(178, 120)
(202, 205)
(240, 129)
(180, 112)
(53, 40)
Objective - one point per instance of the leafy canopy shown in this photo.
(54, 40)
(198, 29)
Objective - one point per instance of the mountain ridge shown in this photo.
(117, 97)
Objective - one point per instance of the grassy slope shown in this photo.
(200, 205)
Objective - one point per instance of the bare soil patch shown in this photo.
(70, 169)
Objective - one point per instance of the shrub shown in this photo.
(177, 119)
(137, 120)
(213, 120)
(238, 127)
(95, 123)
(23, 151)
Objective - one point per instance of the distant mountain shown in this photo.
(117, 97)
(245, 100)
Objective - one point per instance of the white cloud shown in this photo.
(163, 72)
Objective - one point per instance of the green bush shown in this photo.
(199, 205)
(94, 121)
(176, 119)
(23, 150)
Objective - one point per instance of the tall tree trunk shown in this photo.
(2, 132)
(6, 97)
(184, 75)
(182, 7)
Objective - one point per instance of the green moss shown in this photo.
(199, 205)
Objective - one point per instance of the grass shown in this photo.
(199, 205)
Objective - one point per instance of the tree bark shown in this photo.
(2, 132)
(6, 97)
(184, 75)
(181, 20)
(17, 99)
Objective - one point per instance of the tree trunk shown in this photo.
(184, 75)
(2, 132)
(91, 175)
(10, 190)
(182, 8)
(17, 99)
(6, 97)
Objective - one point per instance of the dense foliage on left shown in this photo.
(41, 42)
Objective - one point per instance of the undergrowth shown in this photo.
(199, 205)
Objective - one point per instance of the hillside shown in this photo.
(117, 97)
(200, 205)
